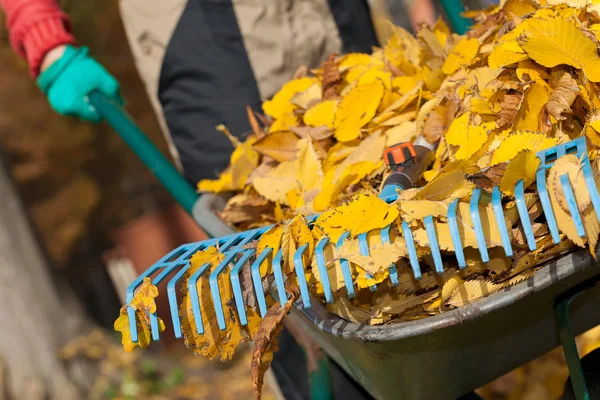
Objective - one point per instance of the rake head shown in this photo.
(237, 255)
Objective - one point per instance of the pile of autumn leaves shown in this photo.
(523, 79)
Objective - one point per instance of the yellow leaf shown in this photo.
(556, 41)
(523, 166)
(308, 166)
(275, 184)
(294, 198)
(405, 132)
(280, 146)
(380, 257)
(308, 97)
(461, 54)
(450, 286)
(405, 84)
(441, 31)
(469, 138)
(295, 234)
(281, 102)
(521, 140)
(419, 209)
(243, 161)
(370, 149)
(402, 48)
(356, 109)
(272, 239)
(353, 59)
(506, 53)
(342, 307)
(469, 291)
(450, 182)
(278, 213)
(362, 214)
(334, 270)
(535, 98)
(322, 114)
(353, 174)
(285, 122)
(143, 303)
(528, 71)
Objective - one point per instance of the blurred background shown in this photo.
(101, 219)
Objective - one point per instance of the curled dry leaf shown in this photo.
(331, 78)
(509, 108)
(266, 339)
(489, 177)
(562, 97)
(435, 124)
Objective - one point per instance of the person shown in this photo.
(202, 62)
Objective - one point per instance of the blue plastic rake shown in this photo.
(177, 262)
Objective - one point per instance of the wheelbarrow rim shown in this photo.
(550, 274)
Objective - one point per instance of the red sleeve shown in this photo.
(35, 27)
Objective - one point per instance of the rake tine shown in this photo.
(476, 220)
(249, 236)
(433, 244)
(572, 204)
(500, 221)
(228, 242)
(279, 280)
(591, 184)
(193, 290)
(323, 269)
(154, 316)
(257, 280)
(364, 251)
(540, 178)
(385, 239)
(346, 268)
(214, 287)
(129, 297)
(454, 233)
(412, 252)
(299, 266)
(172, 295)
(524, 214)
(234, 276)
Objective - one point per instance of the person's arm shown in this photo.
(41, 33)
(37, 28)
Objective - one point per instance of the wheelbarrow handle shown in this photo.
(164, 171)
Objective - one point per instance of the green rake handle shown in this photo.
(164, 171)
(454, 9)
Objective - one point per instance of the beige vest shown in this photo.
(279, 36)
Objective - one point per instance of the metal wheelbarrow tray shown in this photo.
(448, 355)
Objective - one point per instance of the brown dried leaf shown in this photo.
(266, 339)
(245, 208)
(563, 96)
(509, 107)
(435, 124)
(331, 78)
(256, 128)
(489, 177)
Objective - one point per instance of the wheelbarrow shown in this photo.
(440, 357)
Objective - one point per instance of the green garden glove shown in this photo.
(69, 80)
